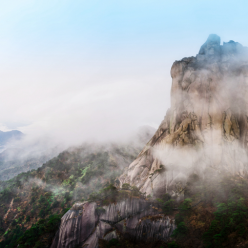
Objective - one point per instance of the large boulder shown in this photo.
(133, 218)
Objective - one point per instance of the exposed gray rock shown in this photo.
(77, 226)
(132, 218)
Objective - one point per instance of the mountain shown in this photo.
(187, 187)
(12, 161)
(5, 137)
(20, 155)
(33, 202)
(206, 126)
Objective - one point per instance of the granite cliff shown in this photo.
(206, 126)
(204, 130)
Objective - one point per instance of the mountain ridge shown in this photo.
(7, 136)
(186, 188)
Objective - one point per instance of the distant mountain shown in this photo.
(5, 137)
(15, 160)
(32, 203)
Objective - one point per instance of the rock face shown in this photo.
(83, 225)
(206, 126)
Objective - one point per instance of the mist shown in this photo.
(79, 72)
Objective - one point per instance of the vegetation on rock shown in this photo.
(32, 203)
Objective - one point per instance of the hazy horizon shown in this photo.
(82, 70)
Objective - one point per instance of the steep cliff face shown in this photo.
(205, 129)
(206, 126)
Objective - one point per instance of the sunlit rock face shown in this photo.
(206, 126)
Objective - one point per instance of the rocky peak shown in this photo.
(213, 52)
(211, 49)
(206, 129)
(206, 126)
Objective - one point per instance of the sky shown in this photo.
(76, 70)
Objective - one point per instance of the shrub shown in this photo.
(184, 208)
(42, 213)
(113, 242)
(180, 231)
(173, 244)
(42, 199)
(55, 204)
(6, 195)
(27, 218)
(230, 218)
(17, 199)
(33, 198)
(126, 186)
(168, 207)
(66, 182)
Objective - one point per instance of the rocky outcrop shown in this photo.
(137, 219)
(205, 129)
(206, 126)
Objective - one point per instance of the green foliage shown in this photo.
(33, 199)
(24, 210)
(42, 213)
(113, 243)
(39, 244)
(42, 199)
(30, 237)
(168, 207)
(135, 191)
(230, 217)
(32, 212)
(66, 182)
(27, 218)
(185, 206)
(14, 222)
(11, 237)
(6, 195)
(173, 244)
(17, 199)
(167, 204)
(75, 171)
(159, 200)
(107, 194)
(126, 186)
(55, 204)
(84, 171)
(180, 231)
(68, 196)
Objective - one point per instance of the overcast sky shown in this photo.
(75, 70)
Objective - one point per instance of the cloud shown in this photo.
(74, 111)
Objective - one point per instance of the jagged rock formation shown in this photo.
(84, 226)
(206, 126)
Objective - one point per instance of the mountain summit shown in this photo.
(202, 137)
(5, 137)
(206, 126)
(186, 188)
